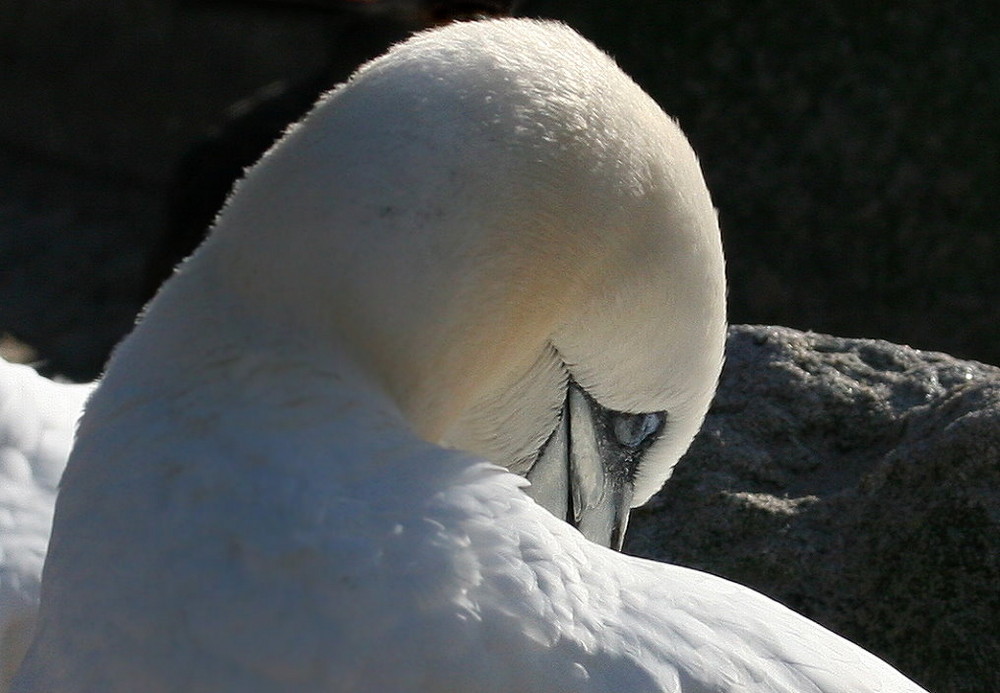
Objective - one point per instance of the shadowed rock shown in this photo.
(857, 481)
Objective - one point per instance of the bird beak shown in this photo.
(585, 471)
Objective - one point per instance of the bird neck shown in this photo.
(196, 369)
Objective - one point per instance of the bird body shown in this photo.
(37, 421)
(297, 472)
(433, 573)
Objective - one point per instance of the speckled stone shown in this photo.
(858, 482)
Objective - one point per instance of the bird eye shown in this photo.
(632, 430)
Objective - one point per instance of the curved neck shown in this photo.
(198, 369)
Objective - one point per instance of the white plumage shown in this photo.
(37, 421)
(259, 499)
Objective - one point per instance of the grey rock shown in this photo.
(858, 482)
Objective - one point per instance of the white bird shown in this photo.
(489, 246)
(37, 421)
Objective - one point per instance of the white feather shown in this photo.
(37, 422)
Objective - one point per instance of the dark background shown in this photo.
(851, 149)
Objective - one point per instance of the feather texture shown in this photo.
(259, 498)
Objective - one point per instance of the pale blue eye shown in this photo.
(632, 430)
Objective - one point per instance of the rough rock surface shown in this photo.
(858, 482)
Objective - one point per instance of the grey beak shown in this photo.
(585, 472)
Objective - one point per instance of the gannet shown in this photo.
(489, 246)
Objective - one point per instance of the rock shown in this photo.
(858, 482)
